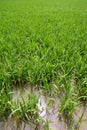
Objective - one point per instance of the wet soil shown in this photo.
(80, 118)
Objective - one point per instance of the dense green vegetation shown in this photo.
(44, 42)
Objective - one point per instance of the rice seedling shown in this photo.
(5, 98)
(43, 43)
(26, 108)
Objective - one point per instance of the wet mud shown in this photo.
(80, 118)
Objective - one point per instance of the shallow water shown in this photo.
(14, 125)
(49, 113)
(80, 118)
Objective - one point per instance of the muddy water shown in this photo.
(13, 124)
(48, 113)
(80, 118)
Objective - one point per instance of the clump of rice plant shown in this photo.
(69, 103)
(26, 108)
(5, 98)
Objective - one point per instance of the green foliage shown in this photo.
(5, 98)
(26, 109)
(44, 42)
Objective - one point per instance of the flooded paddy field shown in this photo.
(48, 111)
(43, 65)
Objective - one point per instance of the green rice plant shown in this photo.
(26, 108)
(43, 43)
(69, 102)
(5, 98)
(46, 127)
